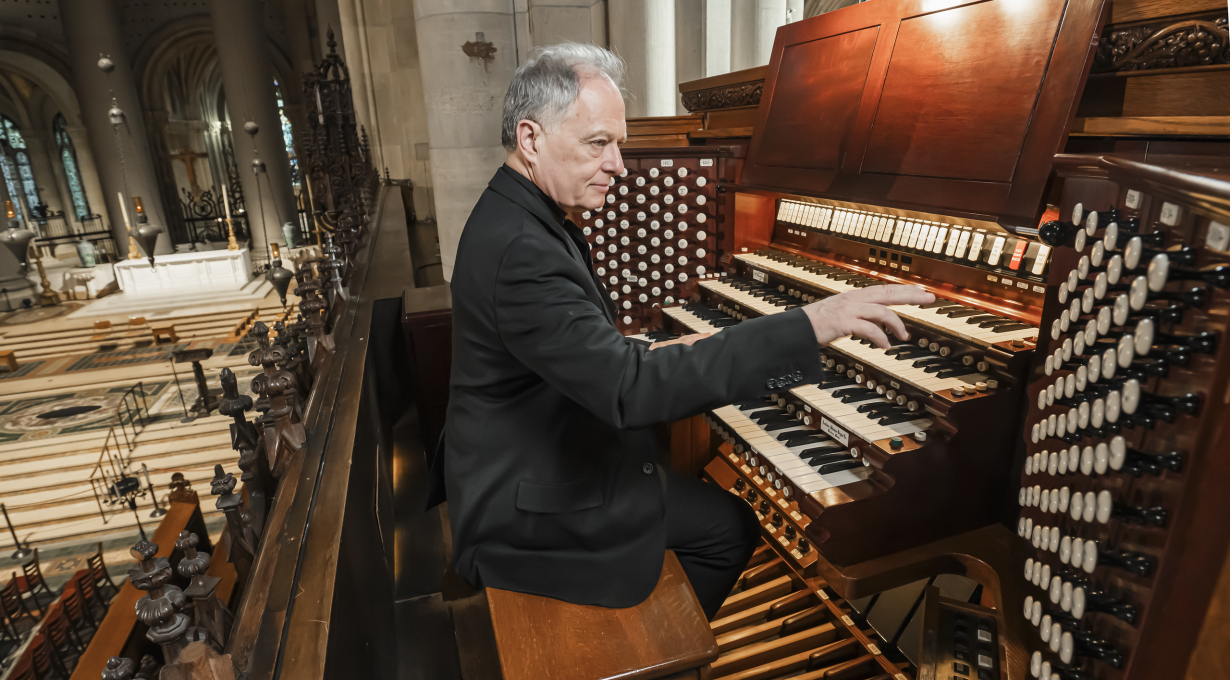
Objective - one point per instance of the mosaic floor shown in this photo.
(24, 316)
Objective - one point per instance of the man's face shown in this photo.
(577, 159)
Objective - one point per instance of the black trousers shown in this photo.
(713, 533)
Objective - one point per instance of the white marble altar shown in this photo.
(201, 272)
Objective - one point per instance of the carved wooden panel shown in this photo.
(945, 106)
(937, 96)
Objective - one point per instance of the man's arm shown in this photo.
(548, 323)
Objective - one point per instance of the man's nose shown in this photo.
(612, 160)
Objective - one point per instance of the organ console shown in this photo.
(1015, 490)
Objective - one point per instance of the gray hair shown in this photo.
(546, 85)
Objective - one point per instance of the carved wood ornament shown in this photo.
(726, 97)
(1202, 41)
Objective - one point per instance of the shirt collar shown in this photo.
(536, 191)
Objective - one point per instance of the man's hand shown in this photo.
(685, 340)
(862, 312)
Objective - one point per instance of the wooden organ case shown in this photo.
(962, 505)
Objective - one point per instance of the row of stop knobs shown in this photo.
(762, 505)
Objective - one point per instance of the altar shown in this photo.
(201, 272)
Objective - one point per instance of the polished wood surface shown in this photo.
(858, 101)
(540, 638)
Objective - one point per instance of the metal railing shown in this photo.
(112, 479)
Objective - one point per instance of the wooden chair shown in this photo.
(46, 660)
(23, 669)
(33, 584)
(666, 636)
(100, 576)
(60, 633)
(9, 358)
(101, 330)
(136, 321)
(83, 583)
(13, 608)
(78, 613)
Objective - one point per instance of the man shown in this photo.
(553, 483)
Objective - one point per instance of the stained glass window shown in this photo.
(288, 135)
(71, 171)
(21, 176)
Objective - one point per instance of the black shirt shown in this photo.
(574, 233)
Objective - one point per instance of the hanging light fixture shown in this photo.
(17, 239)
(278, 275)
(147, 234)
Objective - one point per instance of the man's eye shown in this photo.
(598, 143)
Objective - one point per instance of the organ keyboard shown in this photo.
(1046, 430)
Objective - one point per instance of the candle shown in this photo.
(124, 210)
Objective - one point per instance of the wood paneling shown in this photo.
(1157, 94)
(936, 96)
(944, 106)
(1125, 11)
(836, 65)
(1150, 127)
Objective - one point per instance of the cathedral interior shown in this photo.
(225, 333)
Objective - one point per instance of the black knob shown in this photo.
(790, 532)
(1099, 601)
(1086, 645)
(1140, 515)
(1139, 463)
(1066, 673)
(776, 519)
(752, 496)
(803, 546)
(1215, 275)
(1056, 233)
(764, 507)
(740, 484)
(1195, 297)
(1136, 563)
(1162, 406)
(1205, 343)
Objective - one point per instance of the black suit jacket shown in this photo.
(553, 483)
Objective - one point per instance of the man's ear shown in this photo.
(529, 134)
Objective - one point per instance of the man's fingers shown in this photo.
(869, 331)
(884, 317)
(893, 294)
(691, 339)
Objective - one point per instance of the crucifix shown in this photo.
(188, 156)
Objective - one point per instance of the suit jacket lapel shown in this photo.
(509, 188)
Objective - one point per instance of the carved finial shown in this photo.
(194, 562)
(331, 42)
(233, 403)
(143, 551)
(223, 483)
(118, 668)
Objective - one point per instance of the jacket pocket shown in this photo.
(571, 496)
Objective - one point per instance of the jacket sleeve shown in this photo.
(546, 321)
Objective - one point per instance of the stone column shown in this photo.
(717, 37)
(44, 174)
(770, 14)
(794, 11)
(92, 29)
(464, 100)
(660, 84)
(247, 80)
(689, 47)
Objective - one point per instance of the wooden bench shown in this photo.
(9, 358)
(666, 636)
(167, 331)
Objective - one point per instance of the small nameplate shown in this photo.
(1039, 289)
(706, 162)
(770, 492)
(1170, 214)
(824, 595)
(783, 541)
(746, 470)
(992, 278)
(1022, 284)
(667, 163)
(797, 517)
(758, 480)
(797, 555)
(829, 428)
(871, 647)
(759, 275)
(807, 408)
(1133, 199)
(783, 502)
(846, 620)
(734, 458)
